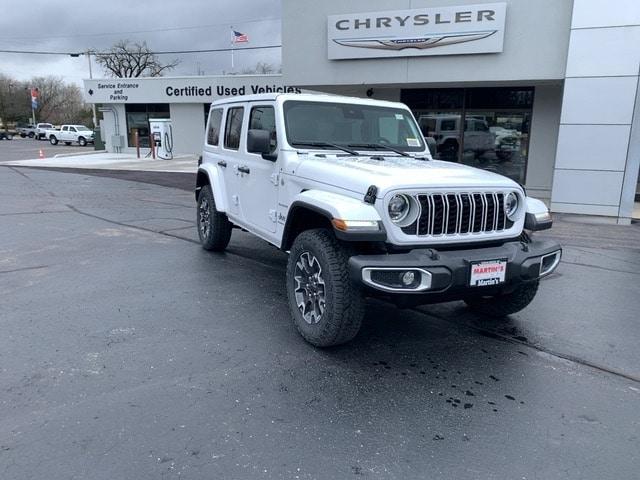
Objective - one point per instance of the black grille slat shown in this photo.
(459, 214)
(491, 211)
(452, 217)
(438, 217)
(465, 222)
(479, 213)
(501, 216)
(424, 220)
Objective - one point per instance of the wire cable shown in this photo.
(171, 52)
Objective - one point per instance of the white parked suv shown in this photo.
(348, 188)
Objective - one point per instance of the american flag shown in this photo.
(240, 37)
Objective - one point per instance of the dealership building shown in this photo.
(545, 92)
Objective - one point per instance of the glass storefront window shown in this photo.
(497, 141)
(138, 115)
(482, 127)
(444, 127)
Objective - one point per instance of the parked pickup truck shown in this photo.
(41, 129)
(70, 134)
(347, 187)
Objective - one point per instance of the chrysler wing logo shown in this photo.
(420, 43)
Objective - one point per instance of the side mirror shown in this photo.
(432, 145)
(259, 141)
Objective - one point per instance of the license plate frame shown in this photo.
(486, 273)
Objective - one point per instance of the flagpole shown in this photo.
(33, 107)
(232, 47)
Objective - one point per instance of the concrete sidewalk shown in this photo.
(113, 161)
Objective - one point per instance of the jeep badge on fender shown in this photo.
(348, 188)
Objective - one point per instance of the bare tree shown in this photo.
(132, 60)
(261, 68)
(59, 102)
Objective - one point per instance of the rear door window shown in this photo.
(233, 128)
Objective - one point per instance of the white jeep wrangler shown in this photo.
(348, 187)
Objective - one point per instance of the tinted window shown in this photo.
(264, 118)
(448, 125)
(233, 128)
(215, 120)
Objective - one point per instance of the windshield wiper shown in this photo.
(325, 145)
(379, 145)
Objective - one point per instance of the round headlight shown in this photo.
(511, 205)
(398, 208)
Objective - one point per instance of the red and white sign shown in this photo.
(488, 272)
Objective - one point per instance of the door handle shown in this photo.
(222, 163)
(244, 169)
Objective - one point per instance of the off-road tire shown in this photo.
(53, 140)
(82, 141)
(506, 304)
(217, 236)
(31, 134)
(344, 303)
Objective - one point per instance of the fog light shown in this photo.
(408, 278)
(397, 279)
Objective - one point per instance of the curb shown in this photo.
(61, 155)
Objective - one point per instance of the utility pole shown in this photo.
(93, 105)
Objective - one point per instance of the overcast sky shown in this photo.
(164, 25)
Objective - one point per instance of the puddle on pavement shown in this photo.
(451, 393)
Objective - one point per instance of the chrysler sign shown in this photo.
(418, 32)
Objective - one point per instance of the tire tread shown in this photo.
(347, 305)
(221, 228)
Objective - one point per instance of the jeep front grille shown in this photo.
(459, 213)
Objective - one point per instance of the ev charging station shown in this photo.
(162, 135)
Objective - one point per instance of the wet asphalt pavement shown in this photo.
(29, 148)
(127, 351)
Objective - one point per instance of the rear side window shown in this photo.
(233, 128)
(448, 125)
(215, 120)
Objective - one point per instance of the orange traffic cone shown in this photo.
(41, 153)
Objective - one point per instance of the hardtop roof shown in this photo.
(313, 97)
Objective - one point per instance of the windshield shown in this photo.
(81, 128)
(46, 125)
(358, 126)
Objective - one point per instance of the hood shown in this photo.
(395, 173)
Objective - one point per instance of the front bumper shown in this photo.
(450, 270)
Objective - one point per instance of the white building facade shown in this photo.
(542, 91)
(127, 105)
(545, 91)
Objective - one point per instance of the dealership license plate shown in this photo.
(488, 272)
